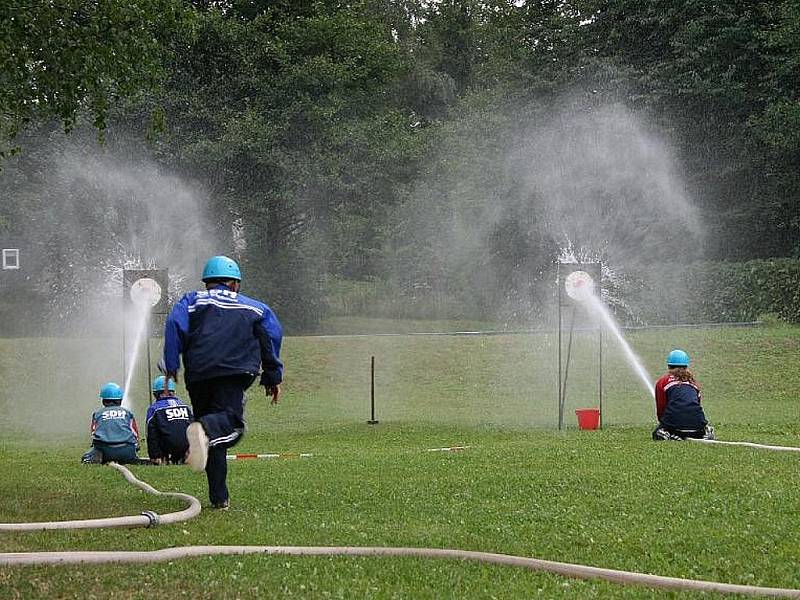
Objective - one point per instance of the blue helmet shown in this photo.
(158, 385)
(111, 391)
(221, 267)
(678, 358)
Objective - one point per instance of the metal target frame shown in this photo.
(564, 300)
(130, 279)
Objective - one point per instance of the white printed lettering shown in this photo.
(113, 414)
(180, 412)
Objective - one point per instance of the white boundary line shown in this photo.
(536, 331)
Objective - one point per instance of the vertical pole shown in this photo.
(566, 368)
(600, 331)
(599, 291)
(558, 301)
(372, 420)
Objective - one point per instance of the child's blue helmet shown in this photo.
(221, 267)
(678, 358)
(158, 385)
(111, 391)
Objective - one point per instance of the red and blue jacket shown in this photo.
(678, 404)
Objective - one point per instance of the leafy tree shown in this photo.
(60, 58)
(779, 122)
(293, 115)
(707, 73)
(361, 144)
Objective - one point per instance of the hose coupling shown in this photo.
(153, 517)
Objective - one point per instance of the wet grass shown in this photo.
(608, 498)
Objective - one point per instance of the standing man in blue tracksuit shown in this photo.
(225, 338)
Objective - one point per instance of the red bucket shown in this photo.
(588, 418)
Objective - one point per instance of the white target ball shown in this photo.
(579, 285)
(145, 292)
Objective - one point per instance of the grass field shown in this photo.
(608, 498)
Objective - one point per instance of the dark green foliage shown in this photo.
(295, 124)
(720, 292)
(716, 74)
(355, 141)
(58, 59)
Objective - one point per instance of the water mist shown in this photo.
(93, 214)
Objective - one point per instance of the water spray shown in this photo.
(598, 306)
(578, 285)
(145, 295)
(141, 319)
(581, 288)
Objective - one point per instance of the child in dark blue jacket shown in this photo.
(115, 435)
(167, 420)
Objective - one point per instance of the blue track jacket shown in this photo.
(220, 332)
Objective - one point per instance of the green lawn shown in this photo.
(608, 498)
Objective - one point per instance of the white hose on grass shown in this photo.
(146, 519)
(749, 445)
(535, 564)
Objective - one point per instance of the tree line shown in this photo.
(364, 148)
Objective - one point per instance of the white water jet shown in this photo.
(594, 303)
(140, 326)
(145, 294)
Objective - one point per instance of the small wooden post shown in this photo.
(372, 420)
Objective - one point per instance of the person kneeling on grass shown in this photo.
(678, 399)
(167, 420)
(115, 435)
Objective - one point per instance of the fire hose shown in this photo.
(535, 564)
(149, 519)
(146, 519)
(749, 445)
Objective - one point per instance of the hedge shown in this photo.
(717, 292)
